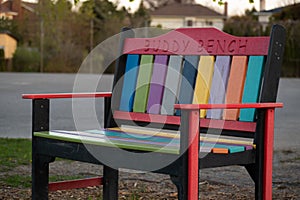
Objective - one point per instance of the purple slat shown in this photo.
(219, 84)
(157, 84)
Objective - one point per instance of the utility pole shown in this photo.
(42, 46)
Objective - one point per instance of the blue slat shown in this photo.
(252, 86)
(189, 73)
(129, 84)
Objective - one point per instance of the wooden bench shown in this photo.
(168, 92)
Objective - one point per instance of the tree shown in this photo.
(245, 25)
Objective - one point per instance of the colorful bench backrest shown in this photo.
(193, 65)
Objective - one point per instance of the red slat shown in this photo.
(197, 41)
(227, 106)
(175, 120)
(66, 95)
(73, 184)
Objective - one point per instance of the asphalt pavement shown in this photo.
(15, 112)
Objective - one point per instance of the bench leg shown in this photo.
(181, 185)
(40, 176)
(110, 183)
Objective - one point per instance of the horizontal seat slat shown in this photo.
(137, 141)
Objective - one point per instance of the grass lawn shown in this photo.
(16, 152)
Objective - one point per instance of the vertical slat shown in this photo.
(219, 85)
(171, 85)
(157, 84)
(203, 81)
(252, 86)
(235, 85)
(189, 73)
(129, 83)
(143, 84)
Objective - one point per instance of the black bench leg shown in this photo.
(110, 183)
(181, 185)
(40, 176)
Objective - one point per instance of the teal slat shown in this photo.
(232, 149)
(252, 86)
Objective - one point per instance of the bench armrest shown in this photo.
(66, 95)
(227, 106)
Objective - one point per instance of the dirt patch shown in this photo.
(217, 183)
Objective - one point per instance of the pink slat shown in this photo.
(73, 184)
(66, 95)
(193, 155)
(227, 106)
(268, 154)
(197, 41)
(175, 120)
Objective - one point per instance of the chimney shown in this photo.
(16, 6)
(262, 5)
(226, 9)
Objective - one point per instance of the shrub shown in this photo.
(26, 60)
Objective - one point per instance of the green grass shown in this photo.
(14, 152)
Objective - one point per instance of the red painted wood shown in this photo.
(193, 155)
(143, 117)
(197, 41)
(175, 120)
(227, 106)
(268, 154)
(66, 95)
(73, 184)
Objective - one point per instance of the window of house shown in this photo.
(208, 23)
(189, 22)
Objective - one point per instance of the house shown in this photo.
(8, 46)
(176, 15)
(289, 11)
(17, 9)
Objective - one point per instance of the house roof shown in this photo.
(188, 10)
(7, 6)
(277, 10)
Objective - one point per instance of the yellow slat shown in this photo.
(203, 81)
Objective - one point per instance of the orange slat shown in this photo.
(235, 85)
(220, 150)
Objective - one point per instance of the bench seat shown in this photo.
(137, 139)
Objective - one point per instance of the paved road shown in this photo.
(15, 113)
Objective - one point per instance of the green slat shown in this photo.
(108, 143)
(143, 84)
